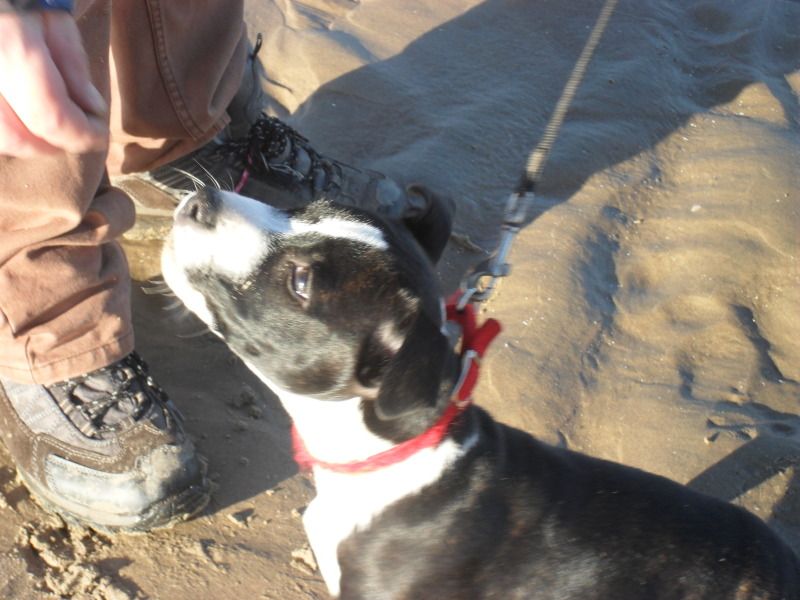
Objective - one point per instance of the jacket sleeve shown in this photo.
(9, 5)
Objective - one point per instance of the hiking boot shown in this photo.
(106, 449)
(261, 157)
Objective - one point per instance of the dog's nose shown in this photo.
(201, 208)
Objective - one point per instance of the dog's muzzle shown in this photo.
(201, 208)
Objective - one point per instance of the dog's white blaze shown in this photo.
(240, 239)
(345, 229)
(334, 431)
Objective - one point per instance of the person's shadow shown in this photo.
(459, 110)
(462, 106)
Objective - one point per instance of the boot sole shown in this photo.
(162, 515)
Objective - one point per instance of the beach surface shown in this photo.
(652, 316)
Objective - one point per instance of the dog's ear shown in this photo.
(412, 378)
(431, 223)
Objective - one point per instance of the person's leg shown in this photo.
(175, 67)
(91, 434)
(64, 286)
(195, 61)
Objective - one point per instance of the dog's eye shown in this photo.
(300, 283)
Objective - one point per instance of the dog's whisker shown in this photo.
(157, 289)
(210, 176)
(198, 183)
(196, 334)
(173, 305)
(180, 316)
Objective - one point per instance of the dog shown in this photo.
(339, 312)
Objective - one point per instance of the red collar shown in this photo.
(474, 343)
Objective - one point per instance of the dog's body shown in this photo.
(339, 313)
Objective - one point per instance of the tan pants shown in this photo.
(172, 69)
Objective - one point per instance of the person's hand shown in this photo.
(47, 101)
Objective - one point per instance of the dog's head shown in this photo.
(325, 301)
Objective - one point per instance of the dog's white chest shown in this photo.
(349, 502)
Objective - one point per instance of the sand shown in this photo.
(652, 314)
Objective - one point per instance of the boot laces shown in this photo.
(272, 148)
(111, 398)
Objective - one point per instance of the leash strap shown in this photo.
(476, 289)
(538, 157)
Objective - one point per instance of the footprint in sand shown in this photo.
(749, 420)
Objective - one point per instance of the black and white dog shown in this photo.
(339, 313)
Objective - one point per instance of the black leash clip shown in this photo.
(480, 284)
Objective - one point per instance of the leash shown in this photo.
(516, 210)
(474, 343)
